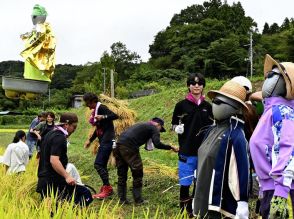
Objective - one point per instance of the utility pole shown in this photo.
(111, 83)
(104, 80)
(49, 97)
(251, 55)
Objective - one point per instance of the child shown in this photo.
(16, 155)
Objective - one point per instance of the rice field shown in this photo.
(24, 202)
(18, 199)
(11, 130)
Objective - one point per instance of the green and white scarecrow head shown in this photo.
(39, 14)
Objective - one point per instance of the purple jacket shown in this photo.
(272, 145)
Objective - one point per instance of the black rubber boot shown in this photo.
(122, 194)
(187, 204)
(137, 194)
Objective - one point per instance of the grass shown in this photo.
(18, 199)
(160, 170)
(159, 174)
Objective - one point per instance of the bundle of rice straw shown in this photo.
(126, 119)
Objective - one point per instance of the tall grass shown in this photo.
(18, 199)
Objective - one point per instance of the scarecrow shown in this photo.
(223, 166)
(39, 55)
(39, 52)
(272, 142)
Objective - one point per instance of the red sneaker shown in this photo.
(105, 192)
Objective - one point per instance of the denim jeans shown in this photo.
(101, 160)
(32, 144)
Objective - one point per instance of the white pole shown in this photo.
(251, 55)
(111, 83)
(49, 99)
(104, 80)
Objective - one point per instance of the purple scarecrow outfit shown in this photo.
(272, 150)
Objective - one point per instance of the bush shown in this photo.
(122, 92)
(152, 86)
(16, 120)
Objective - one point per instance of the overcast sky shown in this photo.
(86, 28)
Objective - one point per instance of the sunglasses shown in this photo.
(271, 74)
(219, 102)
(200, 83)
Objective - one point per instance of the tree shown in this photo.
(266, 29)
(290, 41)
(225, 57)
(89, 76)
(232, 16)
(274, 28)
(193, 14)
(125, 61)
(64, 76)
(12, 68)
(285, 25)
(184, 44)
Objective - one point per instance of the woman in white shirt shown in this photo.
(16, 155)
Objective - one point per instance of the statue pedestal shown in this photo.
(19, 88)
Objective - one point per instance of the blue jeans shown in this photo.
(103, 154)
(32, 144)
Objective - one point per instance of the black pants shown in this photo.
(128, 157)
(101, 160)
(82, 195)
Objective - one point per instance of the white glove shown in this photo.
(179, 129)
(242, 211)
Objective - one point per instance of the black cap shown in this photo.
(159, 121)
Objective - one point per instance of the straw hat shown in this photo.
(232, 90)
(286, 69)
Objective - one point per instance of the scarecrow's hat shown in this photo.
(232, 90)
(286, 69)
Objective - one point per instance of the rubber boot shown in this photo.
(137, 194)
(122, 194)
(187, 204)
(105, 192)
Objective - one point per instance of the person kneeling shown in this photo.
(52, 174)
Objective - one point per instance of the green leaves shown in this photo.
(208, 38)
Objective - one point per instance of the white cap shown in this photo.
(243, 81)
